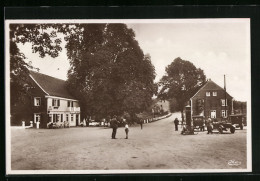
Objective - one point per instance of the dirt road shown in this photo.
(156, 146)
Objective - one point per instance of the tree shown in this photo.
(109, 71)
(44, 40)
(239, 106)
(181, 81)
(173, 105)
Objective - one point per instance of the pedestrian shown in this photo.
(176, 122)
(126, 131)
(114, 126)
(141, 123)
(209, 125)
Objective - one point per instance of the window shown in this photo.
(58, 117)
(224, 113)
(213, 113)
(55, 102)
(37, 101)
(54, 117)
(50, 118)
(67, 117)
(223, 102)
(72, 117)
(200, 102)
(70, 104)
(214, 93)
(207, 93)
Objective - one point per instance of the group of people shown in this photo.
(114, 125)
(208, 123)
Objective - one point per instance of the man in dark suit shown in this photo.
(114, 126)
(176, 122)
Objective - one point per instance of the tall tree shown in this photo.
(108, 70)
(44, 40)
(181, 81)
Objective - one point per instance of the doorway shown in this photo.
(213, 114)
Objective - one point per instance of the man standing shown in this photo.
(209, 125)
(176, 122)
(114, 126)
(126, 130)
(141, 123)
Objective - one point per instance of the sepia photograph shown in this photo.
(109, 96)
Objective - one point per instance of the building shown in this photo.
(50, 101)
(210, 101)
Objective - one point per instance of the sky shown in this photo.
(217, 46)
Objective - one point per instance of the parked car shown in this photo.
(223, 125)
(94, 123)
(198, 122)
(238, 120)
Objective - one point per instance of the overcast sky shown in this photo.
(217, 46)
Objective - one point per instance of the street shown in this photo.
(156, 146)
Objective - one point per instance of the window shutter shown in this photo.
(52, 102)
(39, 101)
(72, 104)
(61, 117)
(58, 102)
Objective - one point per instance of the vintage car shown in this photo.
(238, 120)
(198, 122)
(223, 125)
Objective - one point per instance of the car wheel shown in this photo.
(220, 130)
(232, 130)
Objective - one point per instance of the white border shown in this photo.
(135, 21)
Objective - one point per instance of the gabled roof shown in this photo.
(209, 85)
(50, 85)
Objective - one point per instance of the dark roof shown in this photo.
(210, 85)
(51, 85)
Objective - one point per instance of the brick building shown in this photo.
(49, 101)
(209, 101)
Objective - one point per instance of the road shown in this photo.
(156, 146)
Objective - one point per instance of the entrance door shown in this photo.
(77, 119)
(213, 113)
(37, 118)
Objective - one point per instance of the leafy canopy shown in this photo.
(109, 71)
(44, 40)
(181, 81)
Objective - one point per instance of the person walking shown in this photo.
(126, 131)
(176, 122)
(209, 125)
(114, 126)
(141, 123)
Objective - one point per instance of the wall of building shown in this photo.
(203, 105)
(63, 111)
(25, 110)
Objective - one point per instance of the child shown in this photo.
(126, 130)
